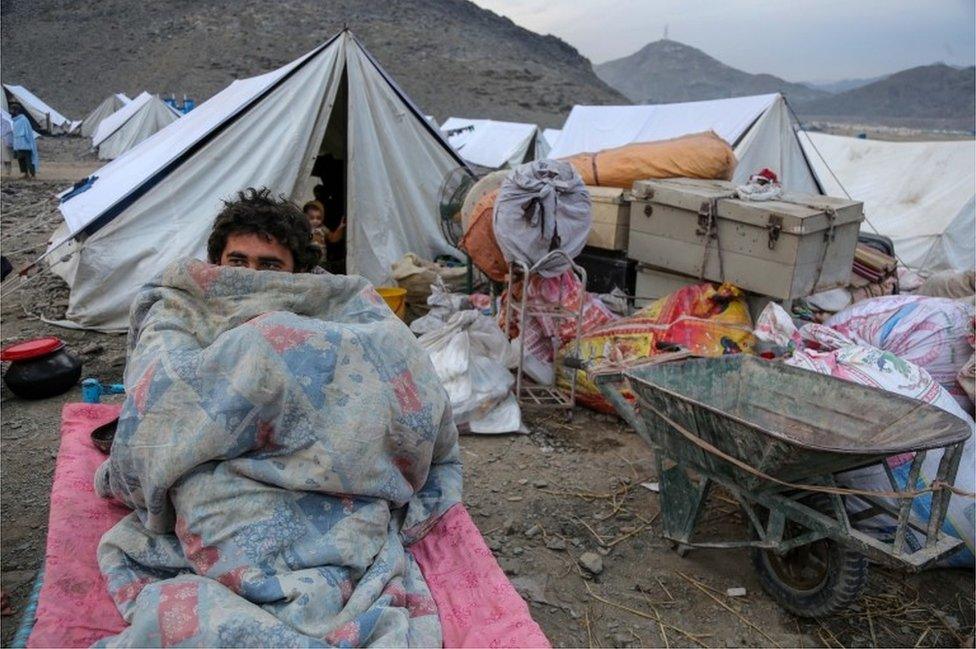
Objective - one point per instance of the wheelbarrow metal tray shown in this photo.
(788, 423)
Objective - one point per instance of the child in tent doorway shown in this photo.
(323, 237)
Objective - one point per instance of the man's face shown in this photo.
(257, 252)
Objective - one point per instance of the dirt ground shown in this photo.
(541, 500)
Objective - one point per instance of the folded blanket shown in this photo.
(283, 438)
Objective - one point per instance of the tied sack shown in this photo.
(542, 206)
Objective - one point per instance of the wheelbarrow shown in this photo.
(775, 437)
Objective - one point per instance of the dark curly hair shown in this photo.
(257, 211)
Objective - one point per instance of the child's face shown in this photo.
(314, 217)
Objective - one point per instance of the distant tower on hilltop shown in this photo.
(665, 37)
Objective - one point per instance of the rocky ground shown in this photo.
(563, 508)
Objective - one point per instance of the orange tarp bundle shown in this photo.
(700, 155)
(479, 240)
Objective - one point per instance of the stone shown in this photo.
(591, 562)
(533, 531)
(523, 481)
(494, 544)
(736, 592)
(92, 349)
(509, 526)
(510, 566)
(556, 543)
(540, 484)
(530, 589)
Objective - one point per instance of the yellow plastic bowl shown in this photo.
(395, 298)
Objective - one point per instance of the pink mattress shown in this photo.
(477, 604)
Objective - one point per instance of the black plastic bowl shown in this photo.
(103, 436)
(44, 376)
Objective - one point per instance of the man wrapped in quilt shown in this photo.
(283, 439)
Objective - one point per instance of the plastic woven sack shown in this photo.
(699, 155)
(701, 319)
(930, 332)
(417, 275)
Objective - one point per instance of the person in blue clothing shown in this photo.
(24, 144)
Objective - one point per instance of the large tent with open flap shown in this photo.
(131, 124)
(333, 117)
(45, 119)
(759, 129)
(490, 143)
(108, 106)
(920, 194)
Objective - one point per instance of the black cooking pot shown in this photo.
(40, 368)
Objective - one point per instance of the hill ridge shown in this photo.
(668, 71)
(480, 64)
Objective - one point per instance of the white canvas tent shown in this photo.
(758, 128)
(45, 118)
(131, 124)
(490, 143)
(921, 194)
(549, 138)
(108, 106)
(157, 203)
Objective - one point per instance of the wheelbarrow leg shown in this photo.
(681, 504)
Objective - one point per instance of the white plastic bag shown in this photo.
(443, 304)
(472, 358)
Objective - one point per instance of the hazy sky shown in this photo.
(799, 40)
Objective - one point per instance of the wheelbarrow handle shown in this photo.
(610, 385)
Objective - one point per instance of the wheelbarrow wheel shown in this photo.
(815, 580)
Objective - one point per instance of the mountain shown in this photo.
(450, 56)
(843, 85)
(667, 71)
(937, 95)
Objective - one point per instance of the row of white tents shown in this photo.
(131, 124)
(492, 144)
(920, 194)
(157, 202)
(114, 126)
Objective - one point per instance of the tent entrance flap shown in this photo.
(330, 174)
